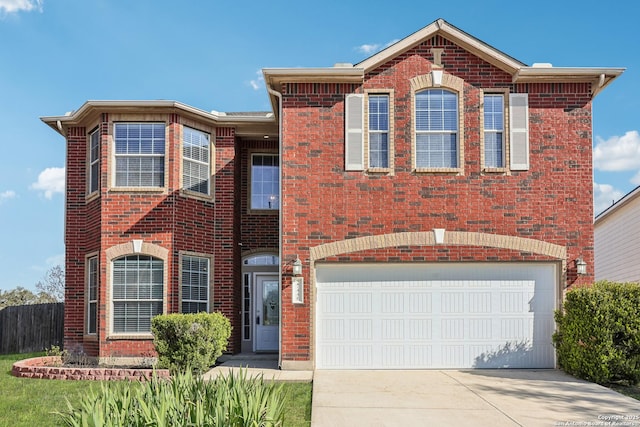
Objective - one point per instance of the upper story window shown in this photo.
(494, 144)
(196, 161)
(195, 284)
(137, 293)
(368, 133)
(139, 154)
(436, 127)
(94, 161)
(378, 131)
(265, 181)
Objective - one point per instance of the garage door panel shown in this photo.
(458, 323)
(479, 302)
(420, 302)
(480, 329)
(360, 329)
(420, 329)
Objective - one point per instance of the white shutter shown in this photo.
(519, 131)
(353, 133)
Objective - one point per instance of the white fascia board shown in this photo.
(76, 116)
(337, 74)
(455, 35)
(566, 72)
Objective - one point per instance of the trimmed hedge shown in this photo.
(598, 336)
(190, 341)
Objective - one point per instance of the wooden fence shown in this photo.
(29, 328)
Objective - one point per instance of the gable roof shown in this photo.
(451, 33)
(520, 72)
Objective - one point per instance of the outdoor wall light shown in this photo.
(436, 77)
(297, 267)
(581, 266)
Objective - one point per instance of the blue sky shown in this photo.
(55, 55)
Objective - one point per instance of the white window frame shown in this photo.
(359, 129)
(388, 94)
(445, 133)
(274, 202)
(375, 129)
(489, 130)
(157, 158)
(94, 161)
(203, 283)
(450, 83)
(93, 287)
(196, 156)
(115, 301)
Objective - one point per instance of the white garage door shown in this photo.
(453, 315)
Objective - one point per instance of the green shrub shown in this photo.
(190, 341)
(598, 336)
(184, 400)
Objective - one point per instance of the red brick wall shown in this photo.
(169, 219)
(259, 229)
(77, 237)
(322, 202)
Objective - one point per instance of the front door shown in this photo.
(267, 312)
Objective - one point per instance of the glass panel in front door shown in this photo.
(270, 309)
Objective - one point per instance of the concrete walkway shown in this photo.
(465, 398)
(265, 365)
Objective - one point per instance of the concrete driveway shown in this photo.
(465, 398)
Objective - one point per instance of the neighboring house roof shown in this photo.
(615, 207)
(247, 124)
(521, 73)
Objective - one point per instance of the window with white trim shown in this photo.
(494, 152)
(265, 181)
(378, 131)
(94, 161)
(92, 295)
(139, 154)
(196, 161)
(436, 127)
(137, 293)
(368, 132)
(195, 284)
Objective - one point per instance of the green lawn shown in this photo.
(29, 402)
(628, 390)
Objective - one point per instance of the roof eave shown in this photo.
(275, 77)
(59, 123)
(598, 77)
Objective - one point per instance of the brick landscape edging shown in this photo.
(50, 367)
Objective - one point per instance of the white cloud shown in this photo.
(14, 6)
(603, 196)
(6, 195)
(258, 82)
(368, 49)
(51, 181)
(618, 153)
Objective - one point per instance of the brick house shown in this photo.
(427, 207)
